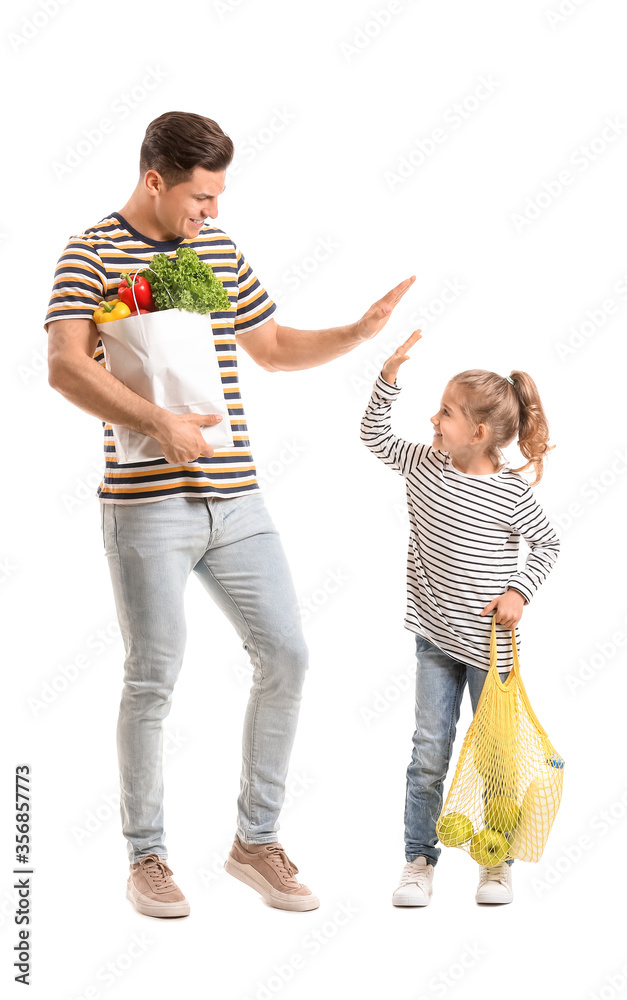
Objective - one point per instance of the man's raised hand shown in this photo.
(379, 313)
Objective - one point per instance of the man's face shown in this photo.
(183, 209)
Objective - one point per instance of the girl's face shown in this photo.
(453, 432)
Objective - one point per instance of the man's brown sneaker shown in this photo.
(153, 891)
(267, 868)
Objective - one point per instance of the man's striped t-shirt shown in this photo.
(464, 540)
(88, 271)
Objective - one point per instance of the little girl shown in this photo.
(467, 511)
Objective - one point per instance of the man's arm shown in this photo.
(74, 373)
(283, 348)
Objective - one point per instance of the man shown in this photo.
(193, 509)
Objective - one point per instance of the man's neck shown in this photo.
(142, 219)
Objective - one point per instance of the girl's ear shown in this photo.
(480, 435)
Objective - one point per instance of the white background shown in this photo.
(358, 95)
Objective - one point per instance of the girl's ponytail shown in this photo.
(533, 428)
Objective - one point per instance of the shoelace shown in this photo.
(156, 869)
(496, 874)
(417, 875)
(280, 860)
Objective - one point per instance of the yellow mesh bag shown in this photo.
(507, 785)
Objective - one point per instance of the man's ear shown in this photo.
(153, 182)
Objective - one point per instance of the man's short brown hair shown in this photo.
(178, 141)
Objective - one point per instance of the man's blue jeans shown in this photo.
(234, 548)
(440, 683)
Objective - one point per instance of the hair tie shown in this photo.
(510, 380)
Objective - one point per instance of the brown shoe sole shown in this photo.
(151, 907)
(283, 900)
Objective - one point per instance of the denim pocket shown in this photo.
(422, 643)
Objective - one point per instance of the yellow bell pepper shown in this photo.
(108, 311)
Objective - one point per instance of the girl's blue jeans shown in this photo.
(440, 683)
(234, 549)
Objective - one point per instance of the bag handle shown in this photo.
(515, 670)
(134, 276)
(493, 648)
(134, 279)
(514, 673)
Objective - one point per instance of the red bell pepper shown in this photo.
(132, 283)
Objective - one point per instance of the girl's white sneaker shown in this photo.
(495, 884)
(415, 885)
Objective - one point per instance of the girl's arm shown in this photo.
(532, 523)
(376, 431)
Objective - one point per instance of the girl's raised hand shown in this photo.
(392, 365)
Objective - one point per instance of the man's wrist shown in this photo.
(156, 422)
(355, 334)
